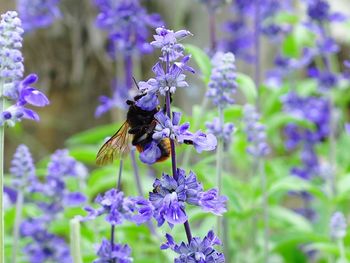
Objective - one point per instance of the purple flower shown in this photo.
(224, 132)
(170, 195)
(338, 225)
(38, 13)
(22, 167)
(150, 154)
(116, 253)
(222, 83)
(11, 68)
(127, 23)
(197, 250)
(117, 208)
(255, 132)
(167, 40)
(347, 127)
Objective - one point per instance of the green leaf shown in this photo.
(280, 119)
(286, 17)
(289, 218)
(290, 47)
(202, 60)
(247, 86)
(94, 135)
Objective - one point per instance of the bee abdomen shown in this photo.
(165, 149)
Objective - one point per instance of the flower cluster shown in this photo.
(169, 76)
(51, 196)
(118, 208)
(198, 250)
(220, 131)
(11, 72)
(170, 195)
(126, 22)
(108, 252)
(38, 13)
(255, 132)
(242, 36)
(222, 80)
(338, 225)
(22, 168)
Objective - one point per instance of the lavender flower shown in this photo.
(11, 67)
(197, 250)
(223, 79)
(22, 168)
(223, 132)
(113, 253)
(38, 13)
(11, 71)
(255, 132)
(118, 208)
(170, 195)
(127, 23)
(347, 127)
(338, 225)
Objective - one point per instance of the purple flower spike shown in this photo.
(211, 202)
(116, 253)
(197, 250)
(338, 225)
(22, 168)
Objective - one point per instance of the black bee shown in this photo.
(139, 128)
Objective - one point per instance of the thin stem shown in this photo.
(2, 133)
(257, 51)
(120, 175)
(136, 172)
(212, 29)
(172, 146)
(262, 173)
(219, 152)
(341, 248)
(75, 240)
(128, 66)
(18, 219)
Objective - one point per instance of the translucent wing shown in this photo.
(116, 146)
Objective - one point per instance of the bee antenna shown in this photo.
(135, 83)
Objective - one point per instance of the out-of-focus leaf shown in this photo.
(94, 135)
(85, 154)
(202, 60)
(247, 86)
(283, 215)
(286, 17)
(290, 46)
(278, 120)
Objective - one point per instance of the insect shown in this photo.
(139, 128)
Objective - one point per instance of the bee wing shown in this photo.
(116, 146)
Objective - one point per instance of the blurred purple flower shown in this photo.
(224, 132)
(113, 253)
(347, 127)
(127, 23)
(38, 13)
(338, 225)
(22, 168)
(197, 250)
(222, 83)
(255, 131)
(170, 195)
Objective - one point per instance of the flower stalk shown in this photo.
(75, 240)
(18, 219)
(2, 137)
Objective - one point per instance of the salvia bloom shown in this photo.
(113, 253)
(255, 132)
(222, 83)
(170, 195)
(118, 208)
(11, 71)
(22, 167)
(57, 196)
(38, 13)
(221, 131)
(127, 23)
(338, 225)
(45, 246)
(198, 250)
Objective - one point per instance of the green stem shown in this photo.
(75, 240)
(18, 219)
(261, 167)
(341, 248)
(2, 132)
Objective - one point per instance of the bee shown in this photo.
(138, 128)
